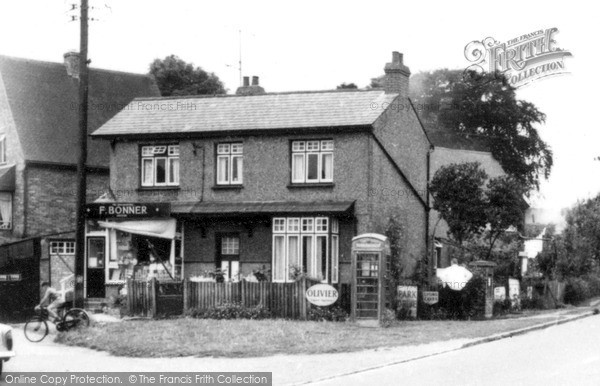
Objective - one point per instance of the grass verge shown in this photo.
(257, 338)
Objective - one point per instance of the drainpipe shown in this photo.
(427, 213)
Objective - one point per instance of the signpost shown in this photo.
(408, 297)
(322, 295)
(431, 297)
(127, 210)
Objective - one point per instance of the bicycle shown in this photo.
(37, 328)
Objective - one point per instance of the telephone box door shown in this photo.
(367, 285)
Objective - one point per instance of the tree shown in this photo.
(176, 77)
(458, 195)
(485, 106)
(582, 235)
(395, 235)
(504, 208)
(347, 86)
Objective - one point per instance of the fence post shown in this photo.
(152, 293)
(302, 295)
(185, 295)
(129, 296)
(243, 292)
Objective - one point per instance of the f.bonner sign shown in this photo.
(322, 295)
(127, 210)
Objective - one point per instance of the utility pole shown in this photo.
(81, 170)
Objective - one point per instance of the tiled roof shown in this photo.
(279, 207)
(43, 100)
(449, 139)
(242, 113)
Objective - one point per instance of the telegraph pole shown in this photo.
(81, 172)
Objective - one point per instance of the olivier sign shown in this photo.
(322, 295)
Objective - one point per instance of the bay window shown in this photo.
(309, 245)
(312, 161)
(160, 165)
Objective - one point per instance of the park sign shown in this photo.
(127, 210)
(322, 295)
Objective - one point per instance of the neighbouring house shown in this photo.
(38, 155)
(536, 218)
(451, 148)
(263, 183)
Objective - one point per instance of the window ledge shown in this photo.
(311, 185)
(228, 187)
(147, 188)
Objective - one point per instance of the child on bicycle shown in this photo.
(54, 298)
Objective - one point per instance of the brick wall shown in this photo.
(52, 198)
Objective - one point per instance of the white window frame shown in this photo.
(228, 152)
(302, 150)
(303, 228)
(62, 247)
(152, 153)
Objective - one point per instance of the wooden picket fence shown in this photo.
(284, 300)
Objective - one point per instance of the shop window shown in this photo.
(230, 161)
(306, 245)
(312, 161)
(5, 210)
(160, 165)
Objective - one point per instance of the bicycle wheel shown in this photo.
(75, 318)
(36, 329)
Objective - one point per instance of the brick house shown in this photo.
(267, 181)
(38, 151)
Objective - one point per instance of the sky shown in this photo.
(316, 45)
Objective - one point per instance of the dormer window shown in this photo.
(160, 165)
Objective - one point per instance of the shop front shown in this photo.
(130, 240)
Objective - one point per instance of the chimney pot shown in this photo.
(396, 57)
(246, 81)
(255, 80)
(72, 63)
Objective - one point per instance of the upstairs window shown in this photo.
(160, 165)
(230, 160)
(5, 210)
(312, 161)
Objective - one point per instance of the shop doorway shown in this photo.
(96, 274)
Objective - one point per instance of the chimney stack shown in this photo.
(396, 76)
(254, 89)
(72, 64)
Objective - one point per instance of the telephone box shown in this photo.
(369, 256)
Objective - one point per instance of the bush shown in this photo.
(330, 314)
(577, 290)
(388, 318)
(230, 311)
(502, 307)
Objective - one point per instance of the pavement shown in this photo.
(286, 369)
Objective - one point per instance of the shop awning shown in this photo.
(164, 229)
(7, 178)
(262, 207)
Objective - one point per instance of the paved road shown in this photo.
(568, 354)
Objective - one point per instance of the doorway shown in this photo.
(96, 275)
